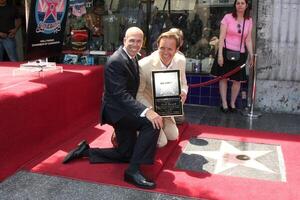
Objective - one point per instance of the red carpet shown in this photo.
(37, 113)
(97, 136)
(176, 181)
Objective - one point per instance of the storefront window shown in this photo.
(95, 28)
(99, 25)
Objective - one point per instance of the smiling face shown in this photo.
(241, 6)
(133, 41)
(167, 49)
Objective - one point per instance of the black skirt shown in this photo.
(228, 66)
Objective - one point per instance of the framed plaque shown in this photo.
(166, 92)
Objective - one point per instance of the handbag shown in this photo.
(231, 54)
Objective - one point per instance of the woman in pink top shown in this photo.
(231, 31)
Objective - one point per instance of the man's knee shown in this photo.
(171, 131)
(172, 135)
(162, 141)
(148, 127)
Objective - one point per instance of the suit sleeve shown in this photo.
(183, 80)
(141, 91)
(121, 88)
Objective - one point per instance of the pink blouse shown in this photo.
(233, 37)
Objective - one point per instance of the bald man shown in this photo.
(121, 110)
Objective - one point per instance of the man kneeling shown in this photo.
(166, 57)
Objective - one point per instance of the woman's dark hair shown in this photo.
(247, 11)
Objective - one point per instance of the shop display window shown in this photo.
(99, 25)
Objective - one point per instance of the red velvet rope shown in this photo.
(217, 78)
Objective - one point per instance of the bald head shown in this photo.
(133, 40)
(133, 31)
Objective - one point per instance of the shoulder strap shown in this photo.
(242, 34)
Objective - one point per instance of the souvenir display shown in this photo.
(111, 29)
(86, 60)
(70, 59)
(78, 60)
(128, 4)
(99, 25)
(79, 39)
(176, 5)
(196, 28)
(95, 25)
(132, 16)
(89, 3)
(77, 7)
(94, 20)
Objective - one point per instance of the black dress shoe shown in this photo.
(224, 110)
(137, 179)
(77, 152)
(233, 110)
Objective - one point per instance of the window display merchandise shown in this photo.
(104, 22)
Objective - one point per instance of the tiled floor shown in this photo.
(24, 185)
(273, 122)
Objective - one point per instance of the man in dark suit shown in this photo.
(121, 110)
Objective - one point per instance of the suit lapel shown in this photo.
(129, 64)
(156, 61)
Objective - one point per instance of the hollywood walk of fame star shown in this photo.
(227, 157)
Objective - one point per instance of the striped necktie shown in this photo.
(135, 65)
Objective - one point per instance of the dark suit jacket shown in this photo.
(121, 86)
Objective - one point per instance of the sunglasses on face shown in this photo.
(239, 28)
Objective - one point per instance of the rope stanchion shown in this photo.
(217, 78)
(250, 113)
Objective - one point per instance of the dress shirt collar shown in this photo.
(128, 53)
(170, 66)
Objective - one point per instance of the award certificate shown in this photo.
(166, 92)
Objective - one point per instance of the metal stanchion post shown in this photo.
(250, 112)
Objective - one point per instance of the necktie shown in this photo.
(135, 65)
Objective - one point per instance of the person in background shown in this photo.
(128, 116)
(9, 24)
(180, 36)
(165, 58)
(233, 26)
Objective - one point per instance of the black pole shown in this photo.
(147, 31)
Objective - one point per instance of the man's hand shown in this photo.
(12, 33)
(3, 35)
(155, 119)
(183, 97)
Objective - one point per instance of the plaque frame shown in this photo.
(166, 90)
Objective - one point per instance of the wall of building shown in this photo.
(278, 61)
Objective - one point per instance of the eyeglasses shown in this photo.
(239, 28)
